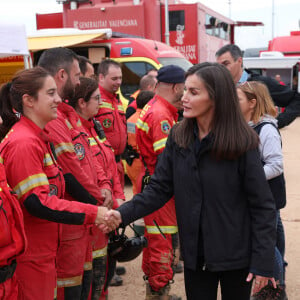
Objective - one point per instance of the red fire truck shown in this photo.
(194, 29)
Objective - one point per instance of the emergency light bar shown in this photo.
(126, 51)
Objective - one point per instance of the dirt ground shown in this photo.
(133, 287)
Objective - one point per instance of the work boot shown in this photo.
(116, 280)
(162, 294)
(120, 270)
(178, 268)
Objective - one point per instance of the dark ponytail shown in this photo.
(11, 105)
(9, 118)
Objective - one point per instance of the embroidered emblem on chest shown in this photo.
(79, 150)
(106, 123)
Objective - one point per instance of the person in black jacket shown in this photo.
(231, 57)
(225, 210)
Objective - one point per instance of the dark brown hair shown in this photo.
(105, 64)
(84, 90)
(232, 136)
(24, 82)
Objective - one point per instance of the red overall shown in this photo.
(12, 236)
(111, 115)
(74, 258)
(153, 127)
(32, 170)
(136, 171)
(104, 154)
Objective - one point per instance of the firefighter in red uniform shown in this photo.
(86, 103)
(153, 127)
(111, 112)
(35, 177)
(74, 258)
(12, 238)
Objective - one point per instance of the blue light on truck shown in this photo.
(126, 51)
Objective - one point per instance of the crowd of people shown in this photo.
(208, 186)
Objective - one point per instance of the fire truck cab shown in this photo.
(136, 56)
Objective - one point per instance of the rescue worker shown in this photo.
(111, 116)
(12, 238)
(86, 102)
(86, 67)
(134, 165)
(111, 112)
(74, 258)
(231, 57)
(34, 175)
(147, 83)
(153, 127)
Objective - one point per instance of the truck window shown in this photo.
(176, 17)
(132, 73)
(181, 62)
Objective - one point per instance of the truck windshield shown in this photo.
(178, 61)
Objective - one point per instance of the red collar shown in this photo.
(107, 95)
(43, 134)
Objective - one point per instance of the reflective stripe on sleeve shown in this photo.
(121, 108)
(47, 160)
(100, 252)
(164, 229)
(101, 140)
(1, 160)
(68, 282)
(160, 144)
(106, 105)
(29, 183)
(63, 147)
(142, 125)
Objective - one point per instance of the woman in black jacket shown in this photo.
(225, 210)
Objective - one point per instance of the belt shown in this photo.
(118, 158)
(7, 272)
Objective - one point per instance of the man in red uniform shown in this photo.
(111, 112)
(153, 127)
(74, 257)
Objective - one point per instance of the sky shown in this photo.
(286, 16)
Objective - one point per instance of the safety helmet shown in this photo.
(122, 248)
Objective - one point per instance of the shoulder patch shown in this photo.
(165, 126)
(79, 150)
(106, 123)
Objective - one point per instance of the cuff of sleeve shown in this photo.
(261, 272)
(91, 214)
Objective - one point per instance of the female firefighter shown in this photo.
(86, 102)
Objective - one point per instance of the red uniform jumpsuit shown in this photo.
(104, 154)
(153, 126)
(34, 175)
(136, 171)
(12, 239)
(111, 115)
(74, 156)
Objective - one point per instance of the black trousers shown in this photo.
(203, 285)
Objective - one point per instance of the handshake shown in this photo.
(108, 219)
